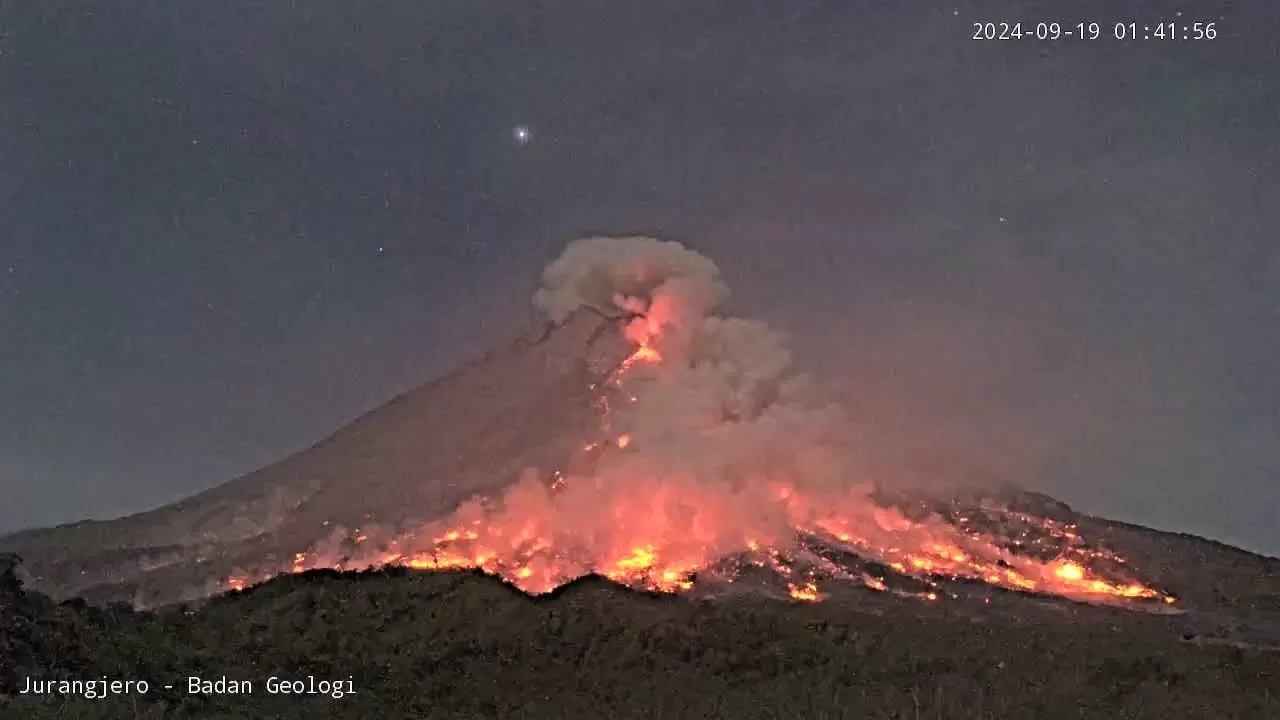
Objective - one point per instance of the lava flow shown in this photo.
(715, 457)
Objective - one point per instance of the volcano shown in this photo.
(643, 436)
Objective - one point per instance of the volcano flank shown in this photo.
(644, 437)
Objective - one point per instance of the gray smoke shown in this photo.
(702, 446)
(662, 279)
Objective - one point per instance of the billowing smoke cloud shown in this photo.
(709, 426)
(719, 395)
(711, 437)
(666, 282)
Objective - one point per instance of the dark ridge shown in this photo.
(584, 585)
(597, 586)
(460, 644)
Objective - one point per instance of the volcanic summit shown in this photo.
(644, 436)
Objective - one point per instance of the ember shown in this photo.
(807, 592)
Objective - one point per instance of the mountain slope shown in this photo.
(416, 457)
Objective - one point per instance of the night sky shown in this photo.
(228, 228)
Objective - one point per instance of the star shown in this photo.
(522, 134)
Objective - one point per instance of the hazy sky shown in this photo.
(227, 228)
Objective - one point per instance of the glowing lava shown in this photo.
(1070, 571)
(718, 454)
(658, 534)
(806, 593)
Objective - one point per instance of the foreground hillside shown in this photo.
(461, 645)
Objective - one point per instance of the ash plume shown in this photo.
(661, 279)
(698, 442)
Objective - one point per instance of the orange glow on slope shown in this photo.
(807, 592)
(643, 354)
(643, 521)
(1070, 571)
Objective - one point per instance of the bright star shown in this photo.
(522, 134)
